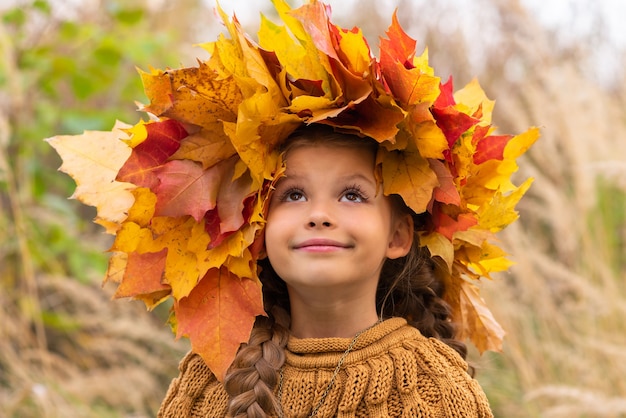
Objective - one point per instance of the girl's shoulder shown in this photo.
(195, 392)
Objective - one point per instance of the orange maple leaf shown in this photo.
(479, 324)
(218, 316)
(144, 276)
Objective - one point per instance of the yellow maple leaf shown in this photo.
(440, 246)
(142, 210)
(500, 211)
(93, 160)
(310, 65)
(355, 51)
(131, 237)
(429, 139)
(519, 144)
(136, 134)
(208, 146)
(472, 97)
(409, 175)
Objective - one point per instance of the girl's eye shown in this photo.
(353, 195)
(292, 195)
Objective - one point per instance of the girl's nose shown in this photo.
(314, 224)
(320, 217)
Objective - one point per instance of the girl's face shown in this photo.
(327, 226)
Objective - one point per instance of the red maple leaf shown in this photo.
(491, 148)
(162, 141)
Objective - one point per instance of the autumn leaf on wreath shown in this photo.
(439, 246)
(218, 316)
(410, 79)
(446, 191)
(184, 188)
(163, 139)
(93, 160)
(410, 176)
(143, 278)
(479, 323)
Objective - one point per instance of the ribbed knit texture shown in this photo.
(392, 371)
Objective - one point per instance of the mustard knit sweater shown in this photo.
(392, 371)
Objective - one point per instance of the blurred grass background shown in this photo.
(66, 350)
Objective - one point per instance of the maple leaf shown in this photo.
(184, 188)
(116, 267)
(93, 160)
(446, 191)
(195, 95)
(158, 89)
(472, 99)
(132, 237)
(446, 96)
(143, 276)
(439, 246)
(479, 324)
(163, 139)
(182, 269)
(410, 80)
(231, 200)
(255, 145)
(142, 211)
(429, 139)
(519, 144)
(218, 316)
(453, 123)
(500, 212)
(491, 148)
(209, 146)
(300, 58)
(411, 177)
(370, 118)
(353, 50)
(489, 258)
(447, 220)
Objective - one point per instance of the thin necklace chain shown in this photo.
(332, 379)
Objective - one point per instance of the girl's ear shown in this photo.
(401, 237)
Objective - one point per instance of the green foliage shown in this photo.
(609, 224)
(59, 74)
(66, 76)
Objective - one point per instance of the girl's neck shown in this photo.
(331, 316)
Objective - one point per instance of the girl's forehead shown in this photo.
(330, 161)
(330, 150)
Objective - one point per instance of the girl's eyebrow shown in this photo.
(347, 178)
(359, 177)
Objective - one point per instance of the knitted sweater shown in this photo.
(392, 371)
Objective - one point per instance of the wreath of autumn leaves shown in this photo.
(185, 192)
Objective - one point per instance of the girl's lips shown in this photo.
(320, 245)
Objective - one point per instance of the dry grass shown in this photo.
(564, 303)
(98, 354)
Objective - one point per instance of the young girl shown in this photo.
(352, 300)
(318, 217)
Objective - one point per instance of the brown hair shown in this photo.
(408, 287)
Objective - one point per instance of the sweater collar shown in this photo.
(376, 339)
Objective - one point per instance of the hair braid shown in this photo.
(409, 288)
(253, 376)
